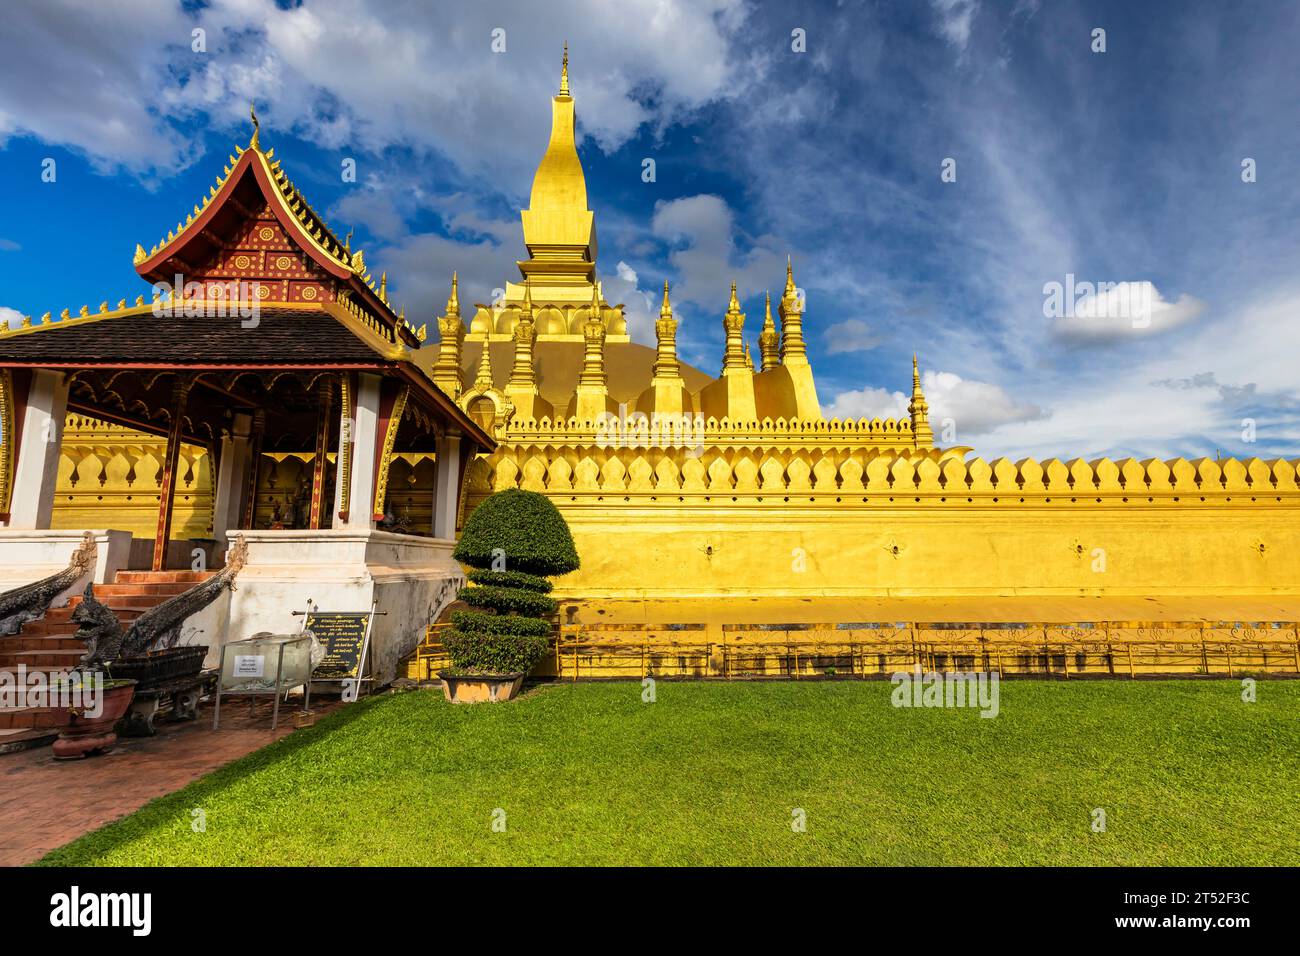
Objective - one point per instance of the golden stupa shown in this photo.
(734, 492)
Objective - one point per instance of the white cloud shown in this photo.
(417, 77)
(11, 318)
(974, 407)
(639, 304)
(955, 18)
(704, 256)
(1112, 311)
(851, 335)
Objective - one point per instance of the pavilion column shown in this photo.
(357, 472)
(254, 465)
(166, 494)
(36, 466)
(232, 471)
(323, 427)
(446, 484)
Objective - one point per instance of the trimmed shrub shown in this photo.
(513, 631)
(523, 527)
(484, 653)
(507, 600)
(510, 579)
(483, 622)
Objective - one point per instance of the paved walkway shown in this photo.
(45, 803)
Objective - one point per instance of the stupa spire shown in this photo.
(733, 323)
(919, 410)
(666, 367)
(769, 347)
(564, 71)
(522, 376)
(793, 349)
(451, 331)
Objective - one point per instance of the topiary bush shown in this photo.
(510, 542)
(524, 528)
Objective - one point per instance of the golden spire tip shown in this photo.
(564, 71)
(257, 128)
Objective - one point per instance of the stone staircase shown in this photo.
(47, 645)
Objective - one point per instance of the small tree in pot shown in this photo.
(511, 542)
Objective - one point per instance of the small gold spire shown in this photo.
(734, 304)
(595, 301)
(527, 310)
(140, 254)
(564, 71)
(789, 276)
(666, 310)
(483, 380)
(383, 287)
(919, 411)
(257, 128)
(453, 300)
(769, 341)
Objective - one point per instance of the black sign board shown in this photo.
(343, 635)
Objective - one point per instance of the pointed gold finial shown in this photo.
(564, 71)
(453, 300)
(918, 410)
(734, 304)
(666, 311)
(483, 381)
(140, 254)
(257, 127)
(769, 342)
(789, 276)
(595, 300)
(527, 310)
(347, 242)
(383, 287)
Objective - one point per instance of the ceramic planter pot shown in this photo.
(477, 688)
(85, 735)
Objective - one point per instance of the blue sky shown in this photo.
(1122, 166)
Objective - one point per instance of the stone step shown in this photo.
(41, 658)
(153, 589)
(63, 615)
(162, 577)
(45, 629)
(125, 602)
(35, 642)
(33, 718)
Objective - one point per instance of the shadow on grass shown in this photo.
(160, 812)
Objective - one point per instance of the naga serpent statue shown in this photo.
(31, 601)
(155, 629)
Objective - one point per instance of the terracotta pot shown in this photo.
(89, 735)
(477, 688)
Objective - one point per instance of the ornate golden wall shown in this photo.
(109, 477)
(777, 516)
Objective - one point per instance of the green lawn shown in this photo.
(711, 773)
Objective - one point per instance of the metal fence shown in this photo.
(1122, 649)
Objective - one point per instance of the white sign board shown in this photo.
(248, 665)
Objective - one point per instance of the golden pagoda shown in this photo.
(733, 489)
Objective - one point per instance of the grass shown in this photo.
(711, 773)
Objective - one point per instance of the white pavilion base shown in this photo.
(412, 579)
(27, 556)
